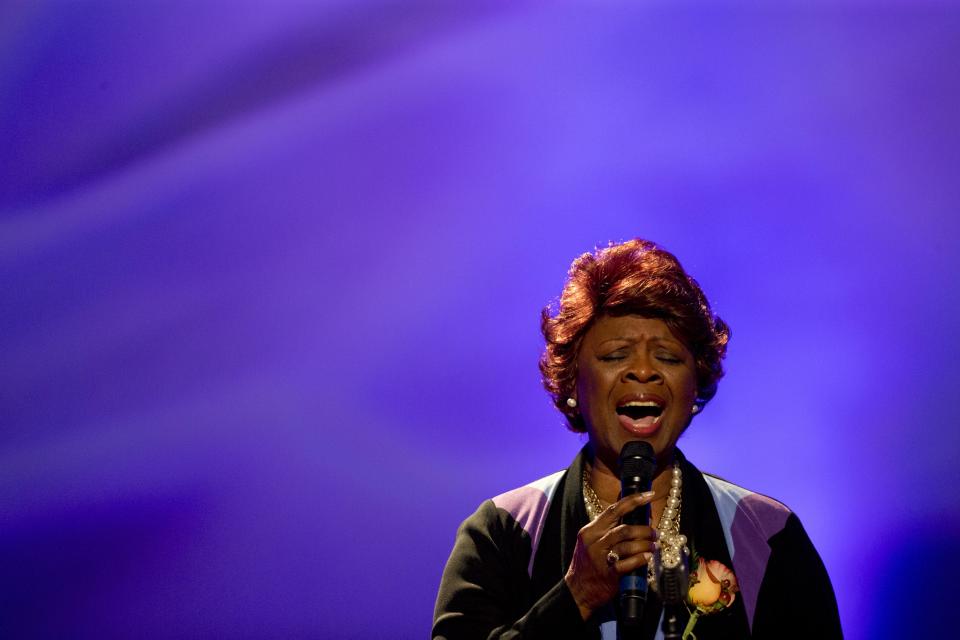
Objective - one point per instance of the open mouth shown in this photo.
(638, 411)
(641, 413)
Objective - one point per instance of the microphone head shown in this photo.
(637, 460)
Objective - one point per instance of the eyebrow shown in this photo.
(632, 340)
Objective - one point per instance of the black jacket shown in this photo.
(504, 578)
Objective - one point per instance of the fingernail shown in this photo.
(647, 555)
(647, 494)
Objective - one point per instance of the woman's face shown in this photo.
(635, 381)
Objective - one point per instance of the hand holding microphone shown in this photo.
(619, 542)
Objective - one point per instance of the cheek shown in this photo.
(686, 385)
(584, 390)
(589, 388)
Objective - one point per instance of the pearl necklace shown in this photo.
(673, 544)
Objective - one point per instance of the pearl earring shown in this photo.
(572, 403)
(695, 409)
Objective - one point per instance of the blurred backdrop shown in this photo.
(271, 276)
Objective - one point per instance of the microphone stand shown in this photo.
(674, 581)
(671, 623)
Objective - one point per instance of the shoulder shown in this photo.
(511, 523)
(739, 508)
(528, 505)
(521, 510)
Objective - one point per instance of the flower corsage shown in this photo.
(713, 588)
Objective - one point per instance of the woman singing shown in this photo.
(633, 353)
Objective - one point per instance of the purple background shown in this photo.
(271, 277)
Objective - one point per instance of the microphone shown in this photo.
(637, 464)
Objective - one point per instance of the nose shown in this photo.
(641, 368)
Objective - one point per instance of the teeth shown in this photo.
(637, 403)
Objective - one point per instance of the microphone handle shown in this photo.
(633, 586)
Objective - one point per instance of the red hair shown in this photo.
(634, 277)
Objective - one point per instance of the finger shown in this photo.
(591, 532)
(626, 565)
(632, 548)
(624, 506)
(623, 532)
(610, 517)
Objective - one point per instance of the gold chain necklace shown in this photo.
(590, 499)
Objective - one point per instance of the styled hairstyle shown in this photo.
(634, 277)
